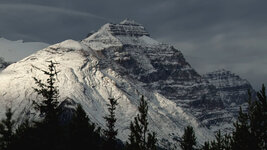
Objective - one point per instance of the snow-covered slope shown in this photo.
(13, 51)
(88, 78)
(122, 60)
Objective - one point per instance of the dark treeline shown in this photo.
(250, 130)
(51, 133)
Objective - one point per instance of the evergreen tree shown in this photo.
(221, 142)
(217, 144)
(48, 106)
(111, 133)
(82, 132)
(26, 137)
(140, 138)
(49, 128)
(251, 127)
(258, 119)
(22, 128)
(206, 146)
(189, 139)
(6, 130)
(134, 137)
(152, 141)
(227, 142)
(242, 137)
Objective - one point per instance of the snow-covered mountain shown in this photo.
(162, 68)
(88, 78)
(123, 61)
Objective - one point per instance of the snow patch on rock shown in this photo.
(71, 44)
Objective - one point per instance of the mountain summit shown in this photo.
(123, 61)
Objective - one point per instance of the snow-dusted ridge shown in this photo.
(122, 60)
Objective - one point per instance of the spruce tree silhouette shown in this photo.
(242, 137)
(83, 133)
(111, 133)
(25, 137)
(49, 128)
(48, 105)
(140, 138)
(6, 130)
(217, 144)
(258, 118)
(206, 146)
(42, 134)
(188, 139)
(251, 127)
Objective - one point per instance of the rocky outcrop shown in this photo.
(3, 64)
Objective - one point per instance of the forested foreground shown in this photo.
(52, 132)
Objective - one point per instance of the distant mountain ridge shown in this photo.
(123, 60)
(13, 51)
(232, 88)
(230, 84)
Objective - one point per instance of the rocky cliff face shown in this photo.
(122, 60)
(232, 88)
(162, 68)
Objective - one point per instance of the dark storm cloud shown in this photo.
(44, 23)
(212, 34)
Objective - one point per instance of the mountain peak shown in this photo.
(128, 28)
(221, 73)
(127, 32)
(130, 22)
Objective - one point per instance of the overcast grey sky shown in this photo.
(212, 34)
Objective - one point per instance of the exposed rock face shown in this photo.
(123, 60)
(161, 68)
(3, 64)
(128, 28)
(232, 88)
